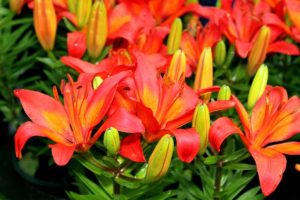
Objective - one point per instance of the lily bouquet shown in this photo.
(153, 90)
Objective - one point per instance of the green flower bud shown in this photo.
(97, 82)
(175, 35)
(224, 93)
(204, 73)
(220, 53)
(83, 10)
(112, 141)
(72, 5)
(201, 122)
(258, 85)
(160, 159)
(97, 29)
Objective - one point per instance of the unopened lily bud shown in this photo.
(175, 35)
(224, 93)
(258, 85)
(97, 82)
(72, 5)
(112, 141)
(204, 72)
(191, 1)
(45, 23)
(83, 10)
(259, 50)
(220, 53)
(16, 5)
(177, 68)
(160, 159)
(201, 122)
(97, 29)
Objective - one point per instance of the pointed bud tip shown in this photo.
(97, 82)
(258, 85)
(175, 35)
(220, 53)
(224, 93)
(160, 158)
(201, 122)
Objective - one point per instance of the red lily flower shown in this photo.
(205, 37)
(241, 25)
(164, 106)
(70, 125)
(275, 118)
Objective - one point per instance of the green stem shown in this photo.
(218, 180)
(51, 56)
(117, 190)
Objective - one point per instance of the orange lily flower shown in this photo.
(164, 104)
(70, 125)
(193, 46)
(274, 119)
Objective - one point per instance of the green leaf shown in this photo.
(236, 156)
(75, 196)
(92, 187)
(128, 183)
(239, 166)
(162, 196)
(236, 184)
(106, 183)
(29, 163)
(211, 160)
(69, 25)
(94, 165)
(251, 194)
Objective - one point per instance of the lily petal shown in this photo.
(290, 148)
(24, 133)
(270, 167)
(220, 130)
(284, 47)
(188, 143)
(44, 111)
(131, 148)
(220, 105)
(80, 65)
(122, 120)
(146, 82)
(61, 153)
(100, 102)
(244, 117)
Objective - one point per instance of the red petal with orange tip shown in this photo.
(188, 143)
(220, 130)
(76, 42)
(131, 148)
(270, 167)
(61, 153)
